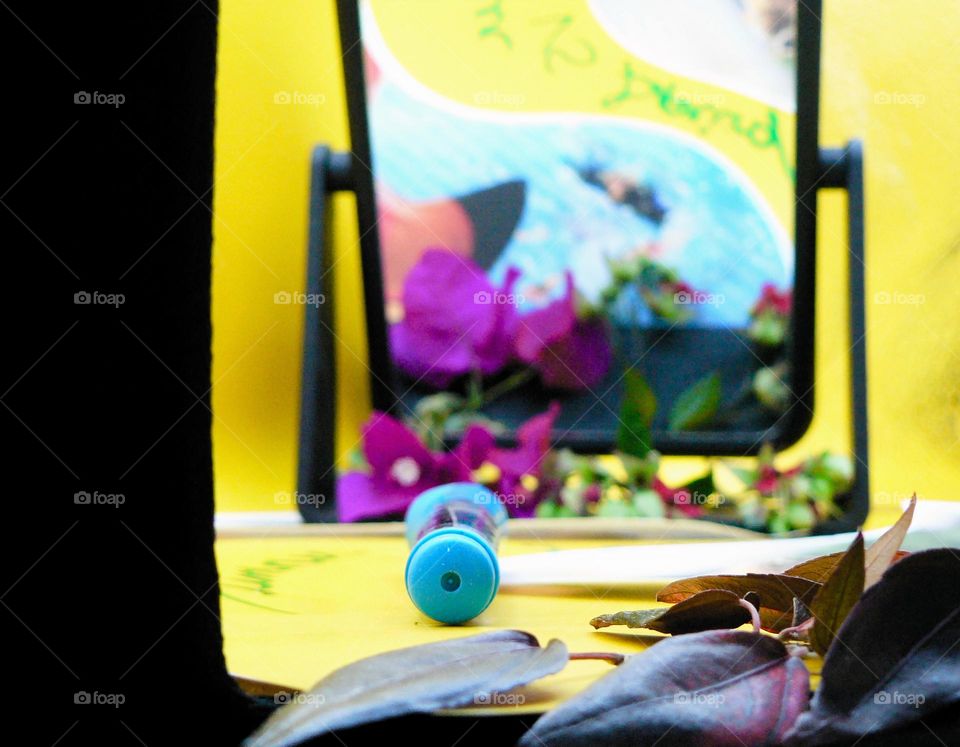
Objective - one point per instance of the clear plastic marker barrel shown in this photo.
(452, 572)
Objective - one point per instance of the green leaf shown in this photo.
(877, 558)
(837, 597)
(770, 389)
(701, 487)
(696, 406)
(636, 415)
(419, 679)
(708, 610)
(546, 510)
(800, 515)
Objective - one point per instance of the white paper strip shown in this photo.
(935, 524)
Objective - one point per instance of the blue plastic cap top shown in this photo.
(452, 575)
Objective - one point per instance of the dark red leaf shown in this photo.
(714, 688)
(896, 661)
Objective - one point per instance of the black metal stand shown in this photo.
(842, 168)
(316, 463)
(838, 168)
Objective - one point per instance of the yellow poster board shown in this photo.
(296, 608)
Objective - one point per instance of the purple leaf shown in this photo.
(419, 679)
(896, 660)
(714, 688)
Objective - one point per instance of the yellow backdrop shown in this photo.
(889, 77)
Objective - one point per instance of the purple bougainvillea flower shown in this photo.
(521, 484)
(455, 320)
(569, 352)
(401, 468)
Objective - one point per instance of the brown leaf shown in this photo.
(708, 610)
(776, 592)
(819, 569)
(883, 553)
(816, 569)
(837, 597)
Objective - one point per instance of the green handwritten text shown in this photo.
(763, 133)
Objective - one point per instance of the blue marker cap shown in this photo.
(452, 575)
(452, 572)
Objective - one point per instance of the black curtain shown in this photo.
(110, 596)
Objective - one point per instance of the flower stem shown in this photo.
(508, 384)
(474, 391)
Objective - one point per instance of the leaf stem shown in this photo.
(615, 659)
(754, 615)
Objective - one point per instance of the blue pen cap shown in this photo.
(452, 574)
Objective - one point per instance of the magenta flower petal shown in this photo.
(476, 447)
(580, 360)
(569, 353)
(436, 358)
(401, 468)
(359, 497)
(493, 346)
(386, 440)
(773, 299)
(533, 442)
(455, 320)
(526, 460)
(541, 328)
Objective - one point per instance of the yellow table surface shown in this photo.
(294, 608)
